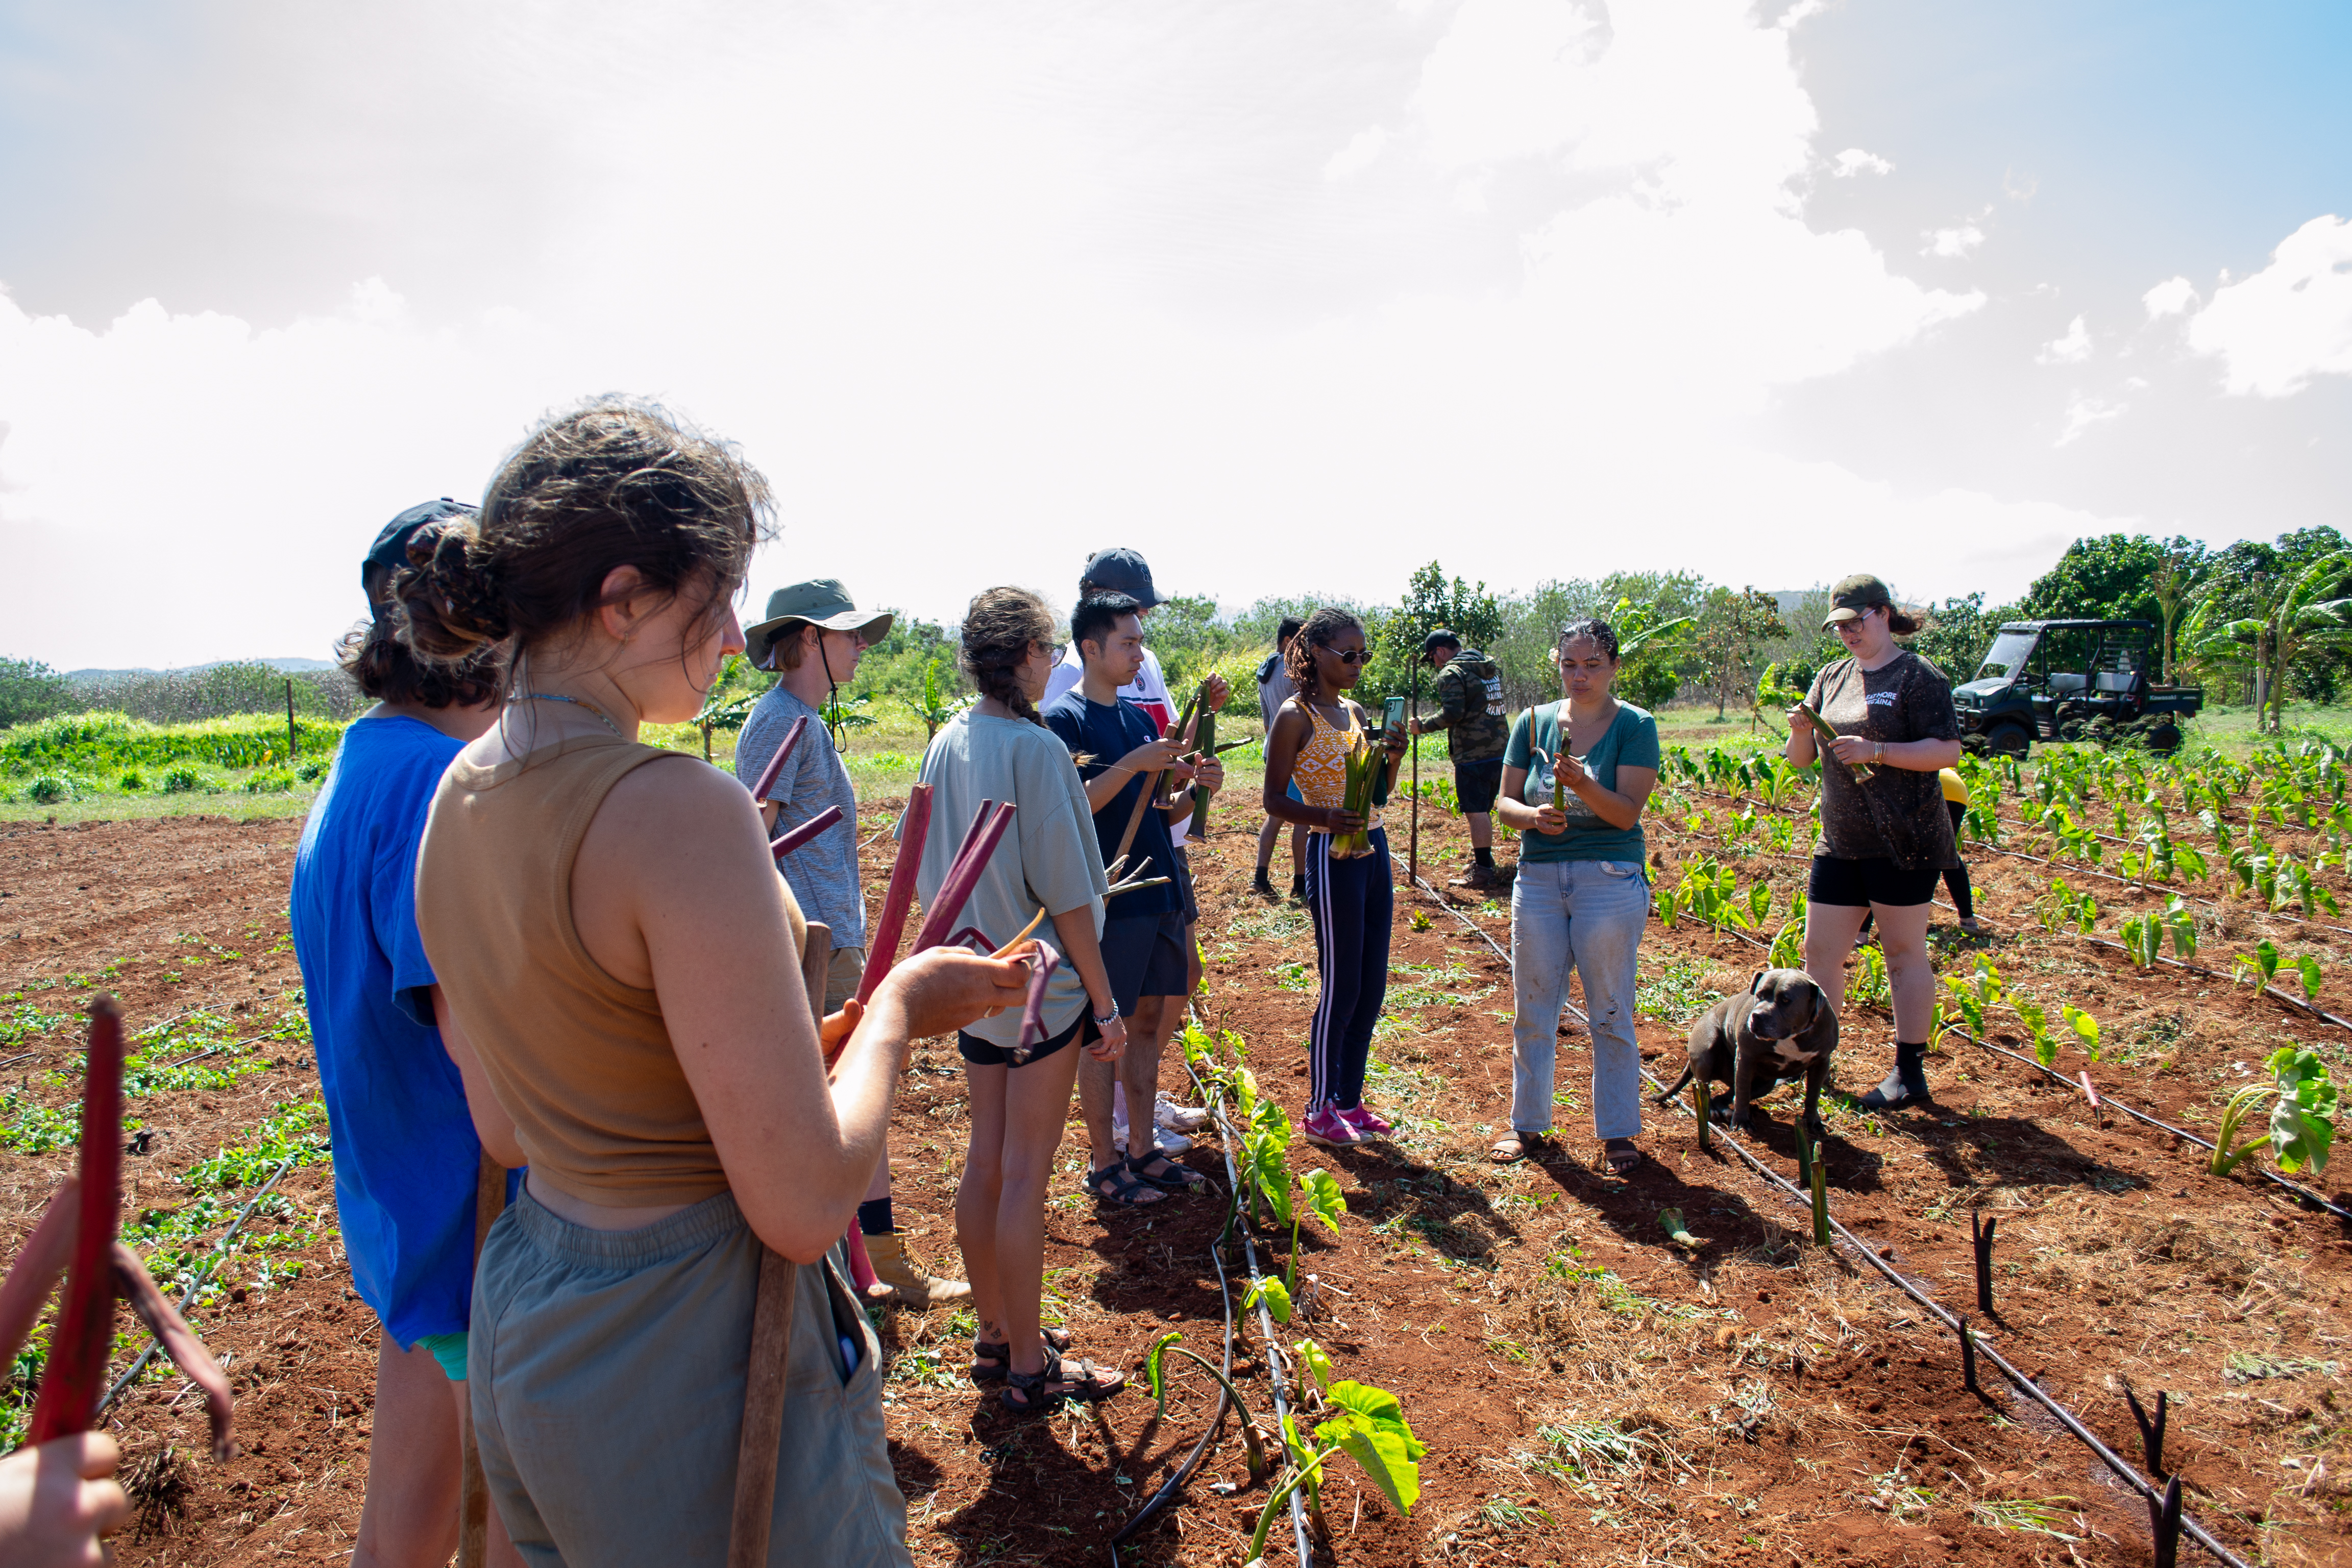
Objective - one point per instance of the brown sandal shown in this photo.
(1621, 1157)
(1515, 1146)
(1036, 1392)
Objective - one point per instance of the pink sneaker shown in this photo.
(1333, 1130)
(1367, 1120)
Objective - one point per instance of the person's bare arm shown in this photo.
(492, 1125)
(1074, 932)
(674, 891)
(1919, 756)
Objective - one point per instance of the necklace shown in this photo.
(559, 696)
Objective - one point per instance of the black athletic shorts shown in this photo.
(1143, 955)
(1476, 784)
(979, 1053)
(1877, 881)
(1184, 893)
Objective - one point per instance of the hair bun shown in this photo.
(451, 592)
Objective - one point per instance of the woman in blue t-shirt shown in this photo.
(393, 1069)
(1582, 896)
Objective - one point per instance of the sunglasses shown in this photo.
(1352, 657)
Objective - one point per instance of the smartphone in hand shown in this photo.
(1393, 716)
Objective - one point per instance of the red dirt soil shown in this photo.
(1589, 1391)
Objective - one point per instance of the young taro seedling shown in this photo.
(1154, 1366)
(2302, 1115)
(1368, 1423)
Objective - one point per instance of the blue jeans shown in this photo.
(1587, 915)
(1353, 902)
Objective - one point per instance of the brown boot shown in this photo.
(911, 1285)
(1480, 879)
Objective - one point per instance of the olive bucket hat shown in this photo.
(1855, 596)
(819, 602)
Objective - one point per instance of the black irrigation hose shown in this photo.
(1169, 1487)
(2084, 870)
(2297, 1188)
(188, 1295)
(2298, 1003)
(2024, 1384)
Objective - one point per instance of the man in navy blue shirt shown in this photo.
(1143, 944)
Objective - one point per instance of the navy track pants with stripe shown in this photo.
(1353, 902)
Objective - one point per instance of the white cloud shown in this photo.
(1854, 161)
(2169, 297)
(2288, 322)
(1358, 155)
(1954, 242)
(2072, 349)
(2082, 414)
(928, 323)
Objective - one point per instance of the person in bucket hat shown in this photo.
(813, 637)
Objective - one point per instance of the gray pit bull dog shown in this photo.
(1779, 1029)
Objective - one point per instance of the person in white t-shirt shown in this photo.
(1122, 571)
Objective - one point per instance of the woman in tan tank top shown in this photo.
(607, 924)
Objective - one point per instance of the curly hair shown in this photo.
(616, 482)
(380, 664)
(1299, 657)
(1000, 627)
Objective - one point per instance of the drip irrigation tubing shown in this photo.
(219, 1250)
(2122, 1467)
(2038, 860)
(2297, 1188)
(2268, 990)
(1273, 1373)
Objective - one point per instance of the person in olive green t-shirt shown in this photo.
(1576, 776)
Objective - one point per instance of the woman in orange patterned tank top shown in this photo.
(1351, 897)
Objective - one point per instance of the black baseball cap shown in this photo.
(1438, 639)
(1122, 572)
(1856, 596)
(389, 553)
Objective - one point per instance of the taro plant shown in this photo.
(1368, 1423)
(937, 704)
(2261, 966)
(2302, 1103)
(1325, 1202)
(1154, 1366)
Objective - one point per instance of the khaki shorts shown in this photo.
(607, 1386)
(841, 976)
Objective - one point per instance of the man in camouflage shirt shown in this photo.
(1470, 699)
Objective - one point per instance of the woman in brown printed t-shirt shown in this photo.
(1886, 839)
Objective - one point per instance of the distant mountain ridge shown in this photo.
(284, 665)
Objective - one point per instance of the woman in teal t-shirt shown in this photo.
(1582, 895)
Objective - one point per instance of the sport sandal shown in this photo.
(1116, 1185)
(1039, 1393)
(991, 1359)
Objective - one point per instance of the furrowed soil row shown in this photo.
(1589, 1392)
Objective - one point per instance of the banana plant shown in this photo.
(2302, 1121)
(2297, 615)
(938, 704)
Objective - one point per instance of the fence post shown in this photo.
(289, 718)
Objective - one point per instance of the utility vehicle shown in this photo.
(2069, 680)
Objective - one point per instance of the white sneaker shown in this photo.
(1170, 1142)
(1177, 1118)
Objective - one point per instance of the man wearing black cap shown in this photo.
(1470, 709)
(395, 1068)
(1123, 571)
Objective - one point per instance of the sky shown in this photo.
(1290, 298)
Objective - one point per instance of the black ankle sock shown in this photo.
(1483, 856)
(874, 1217)
(1298, 886)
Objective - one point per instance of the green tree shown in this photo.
(1731, 627)
(1957, 635)
(2178, 571)
(2297, 613)
(2108, 577)
(30, 690)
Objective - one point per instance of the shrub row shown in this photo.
(101, 743)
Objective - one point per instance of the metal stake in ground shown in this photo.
(1969, 1357)
(1981, 1231)
(1412, 853)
